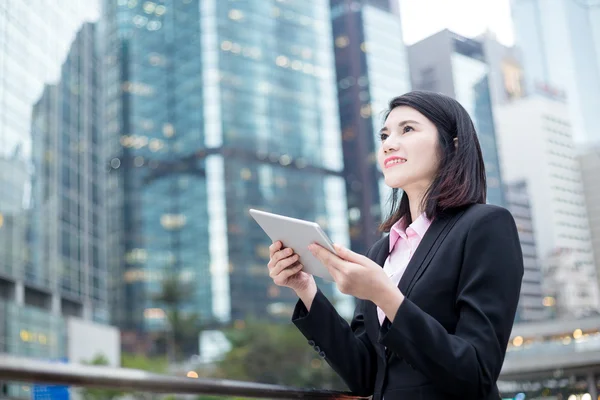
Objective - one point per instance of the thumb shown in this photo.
(347, 254)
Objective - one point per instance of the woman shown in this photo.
(438, 295)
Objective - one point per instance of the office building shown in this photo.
(531, 306)
(371, 69)
(560, 44)
(456, 66)
(52, 263)
(506, 75)
(571, 289)
(589, 160)
(213, 108)
(68, 214)
(546, 160)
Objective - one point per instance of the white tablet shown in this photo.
(298, 235)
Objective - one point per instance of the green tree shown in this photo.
(157, 365)
(277, 354)
(181, 334)
(100, 394)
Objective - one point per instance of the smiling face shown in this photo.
(409, 151)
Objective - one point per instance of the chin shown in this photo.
(395, 183)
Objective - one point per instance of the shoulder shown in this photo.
(484, 219)
(477, 213)
(491, 221)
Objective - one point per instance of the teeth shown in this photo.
(396, 161)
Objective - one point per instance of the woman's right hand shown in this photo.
(285, 270)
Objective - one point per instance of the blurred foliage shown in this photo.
(278, 354)
(100, 394)
(183, 327)
(157, 365)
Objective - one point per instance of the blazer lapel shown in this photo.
(426, 249)
(383, 252)
(417, 265)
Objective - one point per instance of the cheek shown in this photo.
(432, 161)
(426, 157)
(380, 156)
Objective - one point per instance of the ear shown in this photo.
(456, 143)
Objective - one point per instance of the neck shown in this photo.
(415, 199)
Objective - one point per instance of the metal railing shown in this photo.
(27, 370)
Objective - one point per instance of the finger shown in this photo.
(283, 264)
(286, 274)
(335, 273)
(280, 255)
(348, 254)
(325, 256)
(276, 246)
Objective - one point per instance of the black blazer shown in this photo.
(449, 336)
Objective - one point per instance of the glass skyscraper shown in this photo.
(456, 66)
(52, 240)
(560, 43)
(372, 68)
(67, 225)
(216, 107)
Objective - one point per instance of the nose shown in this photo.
(390, 144)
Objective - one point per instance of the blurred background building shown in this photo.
(53, 271)
(589, 159)
(546, 159)
(371, 69)
(67, 227)
(561, 49)
(223, 107)
(506, 75)
(456, 66)
(531, 304)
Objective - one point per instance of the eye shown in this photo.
(383, 136)
(407, 129)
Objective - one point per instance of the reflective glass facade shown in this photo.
(456, 66)
(371, 69)
(387, 65)
(560, 43)
(52, 240)
(67, 227)
(472, 90)
(216, 107)
(159, 219)
(30, 332)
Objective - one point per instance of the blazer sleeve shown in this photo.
(467, 362)
(346, 348)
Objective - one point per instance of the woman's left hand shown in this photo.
(354, 274)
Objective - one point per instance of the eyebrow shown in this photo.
(401, 124)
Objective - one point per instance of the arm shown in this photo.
(346, 348)
(468, 362)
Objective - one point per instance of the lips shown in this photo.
(392, 161)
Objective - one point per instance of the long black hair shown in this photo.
(460, 179)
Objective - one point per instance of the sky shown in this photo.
(422, 18)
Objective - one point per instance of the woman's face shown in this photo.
(408, 155)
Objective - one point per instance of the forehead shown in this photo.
(404, 113)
